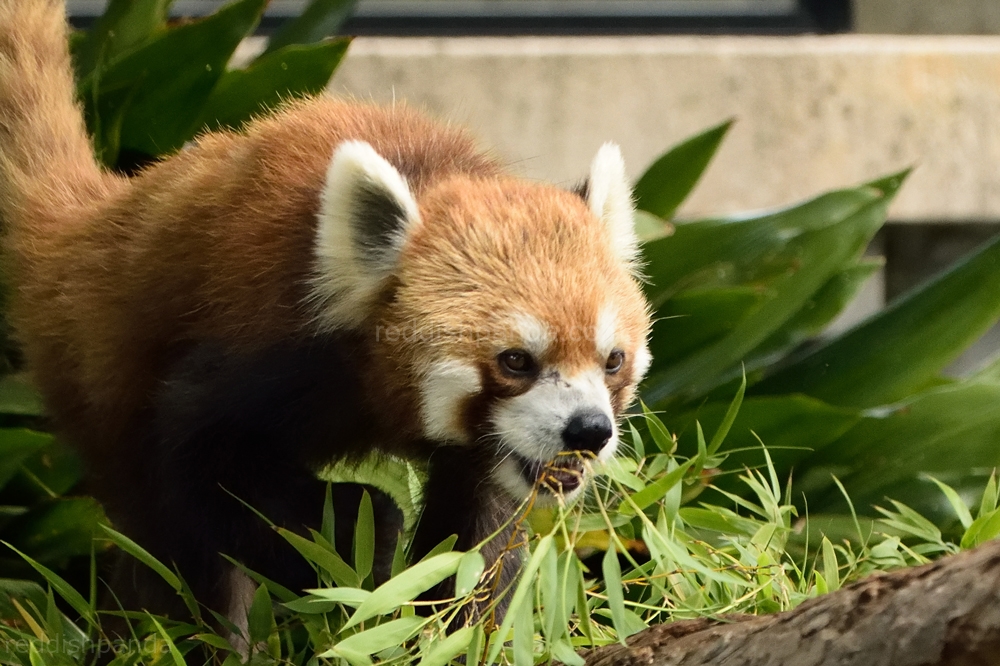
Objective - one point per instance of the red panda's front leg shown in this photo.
(234, 433)
(460, 499)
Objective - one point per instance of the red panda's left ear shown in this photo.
(609, 197)
(366, 214)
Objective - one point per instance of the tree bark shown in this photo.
(944, 613)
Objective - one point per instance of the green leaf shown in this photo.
(57, 529)
(613, 588)
(175, 654)
(378, 638)
(293, 71)
(948, 429)
(475, 652)
(983, 529)
(728, 419)
(821, 308)
(794, 428)
(564, 652)
(989, 500)
(696, 318)
(831, 569)
(745, 250)
(441, 652)
(124, 25)
(656, 490)
(18, 396)
(327, 560)
(25, 591)
(105, 115)
(364, 537)
(524, 633)
(260, 617)
(554, 622)
(141, 554)
(525, 589)
(64, 589)
(661, 437)
(582, 609)
(320, 19)
(218, 642)
(16, 446)
(956, 502)
(326, 600)
(669, 180)
(405, 587)
(52, 471)
(349, 596)
(818, 255)
(172, 76)
(902, 348)
(470, 570)
(990, 372)
(650, 227)
(279, 591)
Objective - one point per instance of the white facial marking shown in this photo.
(531, 424)
(609, 197)
(445, 385)
(535, 335)
(346, 283)
(606, 331)
(641, 363)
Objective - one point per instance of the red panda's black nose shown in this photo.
(587, 431)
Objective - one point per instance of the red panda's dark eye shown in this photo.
(516, 362)
(615, 361)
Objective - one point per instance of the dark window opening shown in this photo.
(550, 17)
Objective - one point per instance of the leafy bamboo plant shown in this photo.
(634, 554)
(870, 405)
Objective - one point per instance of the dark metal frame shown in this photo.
(518, 17)
(555, 17)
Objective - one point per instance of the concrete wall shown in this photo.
(972, 17)
(812, 112)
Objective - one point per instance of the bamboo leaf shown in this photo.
(406, 586)
(294, 71)
(364, 537)
(901, 349)
(320, 19)
(669, 180)
(378, 638)
(327, 560)
(260, 617)
(470, 570)
(171, 77)
(141, 554)
(613, 588)
(124, 25)
(442, 652)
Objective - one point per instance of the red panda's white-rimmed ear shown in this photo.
(609, 197)
(366, 213)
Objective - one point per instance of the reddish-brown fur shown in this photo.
(115, 280)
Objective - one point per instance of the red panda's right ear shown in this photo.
(366, 213)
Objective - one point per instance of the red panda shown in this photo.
(335, 278)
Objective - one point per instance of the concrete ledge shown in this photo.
(812, 112)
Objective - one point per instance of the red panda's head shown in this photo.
(511, 308)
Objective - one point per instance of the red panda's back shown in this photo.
(215, 243)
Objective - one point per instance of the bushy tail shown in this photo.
(47, 165)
